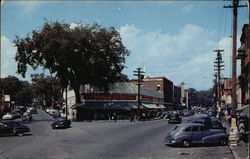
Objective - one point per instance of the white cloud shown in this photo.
(8, 51)
(188, 8)
(187, 56)
(73, 25)
(8, 63)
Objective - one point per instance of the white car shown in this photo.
(47, 110)
(8, 116)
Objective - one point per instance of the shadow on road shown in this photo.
(193, 145)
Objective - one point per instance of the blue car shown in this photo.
(189, 133)
(60, 122)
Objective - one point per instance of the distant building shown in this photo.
(182, 94)
(121, 96)
(227, 91)
(244, 56)
(177, 95)
(160, 85)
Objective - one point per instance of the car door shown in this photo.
(198, 132)
(8, 128)
(2, 129)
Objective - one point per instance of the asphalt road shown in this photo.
(102, 140)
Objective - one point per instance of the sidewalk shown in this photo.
(241, 151)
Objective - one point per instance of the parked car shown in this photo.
(187, 113)
(216, 124)
(17, 114)
(9, 127)
(189, 133)
(8, 116)
(27, 116)
(47, 110)
(60, 122)
(166, 114)
(174, 118)
(200, 118)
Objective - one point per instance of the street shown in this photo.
(102, 140)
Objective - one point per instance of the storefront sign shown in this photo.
(7, 98)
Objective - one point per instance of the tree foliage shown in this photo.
(203, 97)
(86, 54)
(21, 92)
(43, 89)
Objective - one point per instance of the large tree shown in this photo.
(86, 54)
(46, 87)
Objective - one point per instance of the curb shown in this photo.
(235, 155)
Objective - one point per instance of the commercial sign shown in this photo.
(109, 96)
(7, 98)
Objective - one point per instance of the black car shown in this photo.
(12, 127)
(60, 122)
(174, 118)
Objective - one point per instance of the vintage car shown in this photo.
(27, 116)
(200, 118)
(12, 127)
(8, 116)
(191, 133)
(174, 118)
(60, 122)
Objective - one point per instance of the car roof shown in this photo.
(190, 124)
(9, 121)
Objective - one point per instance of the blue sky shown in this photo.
(172, 39)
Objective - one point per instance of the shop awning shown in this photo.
(150, 106)
(243, 110)
(162, 106)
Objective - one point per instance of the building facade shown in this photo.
(244, 57)
(160, 85)
(226, 97)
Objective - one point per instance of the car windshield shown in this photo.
(176, 128)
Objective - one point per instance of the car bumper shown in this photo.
(170, 141)
(58, 126)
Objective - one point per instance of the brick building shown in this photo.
(244, 57)
(161, 85)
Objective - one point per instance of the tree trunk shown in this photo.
(77, 93)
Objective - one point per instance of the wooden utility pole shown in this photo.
(218, 67)
(140, 75)
(233, 133)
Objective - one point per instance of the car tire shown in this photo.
(223, 141)
(186, 143)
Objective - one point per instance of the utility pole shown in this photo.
(215, 91)
(218, 67)
(140, 75)
(233, 133)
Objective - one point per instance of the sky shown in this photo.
(174, 39)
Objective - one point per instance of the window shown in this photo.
(188, 129)
(202, 128)
(195, 128)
